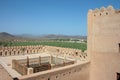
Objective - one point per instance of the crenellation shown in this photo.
(90, 10)
(102, 9)
(22, 50)
(96, 10)
(103, 12)
(110, 8)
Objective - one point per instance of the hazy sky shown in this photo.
(36, 17)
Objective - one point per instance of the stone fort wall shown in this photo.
(104, 30)
(22, 50)
(75, 71)
(104, 43)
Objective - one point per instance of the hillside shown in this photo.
(7, 36)
(53, 36)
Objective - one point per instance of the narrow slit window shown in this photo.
(119, 47)
(0, 53)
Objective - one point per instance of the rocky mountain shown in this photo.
(8, 36)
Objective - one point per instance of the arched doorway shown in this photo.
(5, 53)
(18, 52)
(14, 52)
(10, 52)
(27, 51)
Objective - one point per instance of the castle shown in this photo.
(99, 62)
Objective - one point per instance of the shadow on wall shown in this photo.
(85, 72)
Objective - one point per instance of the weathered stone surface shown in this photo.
(104, 43)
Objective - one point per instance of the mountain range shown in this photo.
(8, 36)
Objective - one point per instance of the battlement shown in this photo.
(103, 11)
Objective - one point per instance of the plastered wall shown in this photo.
(77, 72)
(104, 30)
(103, 43)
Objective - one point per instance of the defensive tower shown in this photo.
(104, 43)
